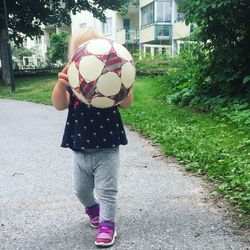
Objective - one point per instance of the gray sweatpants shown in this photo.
(95, 174)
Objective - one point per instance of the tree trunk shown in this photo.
(5, 63)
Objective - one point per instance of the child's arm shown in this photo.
(60, 97)
(127, 101)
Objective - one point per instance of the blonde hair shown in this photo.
(83, 36)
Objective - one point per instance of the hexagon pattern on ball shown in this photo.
(101, 73)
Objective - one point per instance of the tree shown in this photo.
(58, 47)
(224, 29)
(26, 18)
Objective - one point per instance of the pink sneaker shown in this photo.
(93, 213)
(106, 234)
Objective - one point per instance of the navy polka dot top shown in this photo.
(92, 128)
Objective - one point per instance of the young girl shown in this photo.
(94, 135)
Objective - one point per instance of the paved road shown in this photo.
(160, 207)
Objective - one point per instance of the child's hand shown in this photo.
(63, 78)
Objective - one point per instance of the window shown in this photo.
(107, 27)
(38, 40)
(26, 61)
(147, 14)
(126, 23)
(163, 11)
(163, 32)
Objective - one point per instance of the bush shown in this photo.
(148, 65)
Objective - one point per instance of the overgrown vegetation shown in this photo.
(181, 78)
(224, 30)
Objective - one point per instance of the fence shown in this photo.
(47, 71)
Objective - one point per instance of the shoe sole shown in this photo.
(102, 244)
(93, 226)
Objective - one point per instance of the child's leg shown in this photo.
(83, 178)
(106, 175)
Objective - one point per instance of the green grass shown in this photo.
(214, 149)
(217, 150)
(33, 89)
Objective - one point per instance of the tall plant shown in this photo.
(58, 47)
(224, 28)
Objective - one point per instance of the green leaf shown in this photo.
(246, 79)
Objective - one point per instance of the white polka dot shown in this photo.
(104, 139)
(111, 132)
(113, 146)
(88, 141)
(72, 136)
(94, 133)
(82, 147)
(101, 127)
(67, 123)
(97, 146)
(85, 127)
(79, 135)
(76, 120)
(91, 120)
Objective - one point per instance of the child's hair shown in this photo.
(83, 36)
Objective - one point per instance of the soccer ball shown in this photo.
(101, 73)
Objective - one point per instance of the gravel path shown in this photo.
(160, 206)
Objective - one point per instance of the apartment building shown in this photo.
(153, 26)
(119, 27)
(40, 47)
(161, 26)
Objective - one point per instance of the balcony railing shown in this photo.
(132, 35)
(125, 36)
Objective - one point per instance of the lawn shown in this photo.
(215, 149)
(33, 89)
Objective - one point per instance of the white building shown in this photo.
(40, 46)
(154, 26)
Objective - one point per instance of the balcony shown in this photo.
(156, 33)
(128, 36)
(181, 30)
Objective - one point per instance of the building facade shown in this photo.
(40, 47)
(153, 26)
